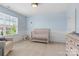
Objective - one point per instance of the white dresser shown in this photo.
(72, 45)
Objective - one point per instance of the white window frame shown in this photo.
(4, 15)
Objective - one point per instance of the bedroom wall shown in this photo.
(73, 17)
(77, 17)
(21, 22)
(56, 22)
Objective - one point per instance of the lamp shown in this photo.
(34, 5)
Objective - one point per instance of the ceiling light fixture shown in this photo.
(34, 5)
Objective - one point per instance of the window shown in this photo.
(8, 24)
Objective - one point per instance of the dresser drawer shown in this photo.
(72, 45)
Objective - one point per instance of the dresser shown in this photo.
(72, 45)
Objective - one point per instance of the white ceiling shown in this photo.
(26, 8)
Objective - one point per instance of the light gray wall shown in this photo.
(71, 18)
(21, 21)
(73, 13)
(77, 17)
(56, 22)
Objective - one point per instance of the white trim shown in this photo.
(17, 25)
(4, 16)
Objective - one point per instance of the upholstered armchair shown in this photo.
(6, 45)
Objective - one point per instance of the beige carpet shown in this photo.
(28, 48)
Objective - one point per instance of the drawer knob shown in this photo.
(66, 54)
(70, 47)
(77, 44)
